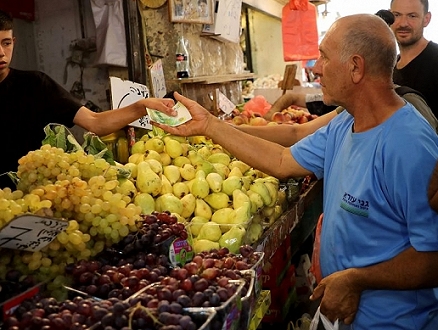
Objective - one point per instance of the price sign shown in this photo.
(225, 104)
(158, 82)
(31, 232)
(124, 93)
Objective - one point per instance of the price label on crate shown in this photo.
(30, 232)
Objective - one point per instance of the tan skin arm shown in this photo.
(340, 292)
(245, 147)
(106, 122)
(286, 134)
(432, 192)
(298, 99)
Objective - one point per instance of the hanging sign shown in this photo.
(124, 93)
(30, 232)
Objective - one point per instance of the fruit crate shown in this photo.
(258, 268)
(261, 307)
(249, 300)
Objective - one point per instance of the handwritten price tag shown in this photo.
(30, 232)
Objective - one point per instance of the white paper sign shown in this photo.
(125, 92)
(31, 232)
(158, 82)
(225, 104)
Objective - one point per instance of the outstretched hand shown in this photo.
(340, 296)
(198, 125)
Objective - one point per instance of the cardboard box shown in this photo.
(226, 26)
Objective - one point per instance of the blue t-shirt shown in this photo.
(376, 206)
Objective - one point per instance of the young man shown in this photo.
(31, 100)
(417, 64)
(379, 243)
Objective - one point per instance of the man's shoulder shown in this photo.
(27, 74)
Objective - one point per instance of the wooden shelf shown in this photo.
(207, 80)
(320, 2)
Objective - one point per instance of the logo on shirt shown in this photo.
(355, 205)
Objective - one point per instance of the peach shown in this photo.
(258, 121)
(278, 117)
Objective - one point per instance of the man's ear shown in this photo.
(427, 19)
(356, 64)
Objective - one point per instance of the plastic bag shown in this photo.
(315, 268)
(110, 32)
(325, 321)
(299, 31)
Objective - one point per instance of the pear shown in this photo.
(172, 173)
(147, 180)
(246, 182)
(222, 217)
(180, 161)
(189, 204)
(239, 197)
(222, 170)
(236, 172)
(138, 148)
(146, 202)
(136, 158)
(260, 188)
(217, 200)
(166, 186)
(241, 215)
(254, 232)
(219, 157)
(196, 224)
(152, 154)
(173, 148)
(180, 139)
(256, 201)
(204, 245)
(214, 181)
(233, 238)
(198, 139)
(180, 189)
(210, 231)
(169, 202)
(185, 149)
(179, 218)
(194, 157)
(155, 144)
(132, 168)
(205, 166)
(230, 184)
(145, 137)
(155, 165)
(239, 164)
(187, 172)
(204, 152)
(202, 209)
(165, 159)
(126, 187)
(272, 184)
(200, 187)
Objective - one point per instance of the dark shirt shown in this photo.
(29, 100)
(421, 74)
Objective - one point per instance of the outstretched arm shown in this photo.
(293, 98)
(340, 291)
(106, 122)
(266, 156)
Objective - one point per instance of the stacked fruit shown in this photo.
(204, 186)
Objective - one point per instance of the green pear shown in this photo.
(169, 202)
(204, 245)
(219, 157)
(155, 165)
(165, 159)
(235, 172)
(152, 154)
(214, 181)
(204, 152)
(246, 182)
(138, 147)
(241, 215)
(210, 231)
(173, 148)
(194, 157)
(132, 168)
(180, 161)
(218, 200)
(189, 204)
(195, 225)
(254, 232)
(239, 197)
(239, 164)
(172, 173)
(147, 180)
(202, 209)
(233, 238)
(222, 217)
(166, 186)
(126, 187)
(200, 187)
(260, 188)
(187, 172)
(180, 189)
(230, 184)
(205, 166)
(256, 201)
(222, 170)
(146, 202)
(155, 144)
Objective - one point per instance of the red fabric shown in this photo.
(315, 268)
(24, 9)
(299, 31)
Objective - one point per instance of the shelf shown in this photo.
(207, 80)
(320, 2)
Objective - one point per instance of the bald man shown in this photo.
(379, 243)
